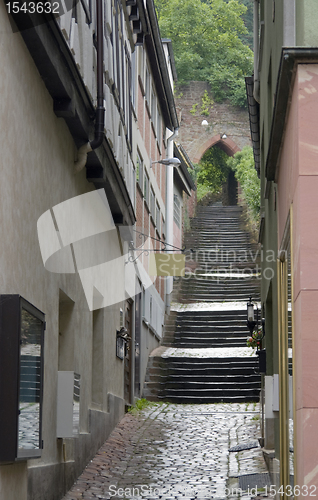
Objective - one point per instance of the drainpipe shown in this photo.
(169, 211)
(100, 109)
(256, 93)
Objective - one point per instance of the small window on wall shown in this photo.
(133, 79)
(21, 378)
(158, 126)
(177, 210)
(86, 4)
(152, 204)
(150, 309)
(158, 218)
(147, 86)
(153, 108)
(139, 170)
(163, 228)
(146, 189)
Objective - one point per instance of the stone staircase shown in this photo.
(195, 329)
(203, 357)
(202, 380)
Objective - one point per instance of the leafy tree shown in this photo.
(248, 21)
(207, 44)
(247, 38)
(243, 165)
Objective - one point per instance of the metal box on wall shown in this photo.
(68, 400)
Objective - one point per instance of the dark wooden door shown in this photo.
(137, 343)
(127, 360)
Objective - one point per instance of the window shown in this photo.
(152, 204)
(153, 108)
(150, 309)
(177, 210)
(146, 188)
(133, 187)
(86, 4)
(163, 227)
(147, 86)
(158, 218)
(143, 302)
(21, 378)
(139, 170)
(133, 79)
(159, 138)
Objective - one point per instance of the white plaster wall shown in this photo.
(9, 488)
(36, 166)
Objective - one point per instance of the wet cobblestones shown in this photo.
(175, 452)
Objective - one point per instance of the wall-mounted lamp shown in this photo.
(224, 136)
(251, 322)
(122, 339)
(257, 336)
(175, 162)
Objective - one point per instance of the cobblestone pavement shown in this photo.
(173, 452)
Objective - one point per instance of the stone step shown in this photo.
(210, 337)
(222, 397)
(197, 286)
(193, 386)
(221, 313)
(186, 363)
(210, 328)
(218, 296)
(187, 344)
(208, 378)
(154, 371)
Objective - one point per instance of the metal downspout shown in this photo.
(169, 210)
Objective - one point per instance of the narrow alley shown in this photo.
(197, 435)
(174, 451)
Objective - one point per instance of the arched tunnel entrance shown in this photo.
(229, 189)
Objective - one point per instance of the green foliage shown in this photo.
(207, 104)
(243, 165)
(213, 171)
(247, 38)
(202, 190)
(194, 172)
(193, 110)
(140, 405)
(207, 44)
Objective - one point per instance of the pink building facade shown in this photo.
(283, 108)
(297, 210)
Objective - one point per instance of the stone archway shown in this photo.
(224, 143)
(229, 194)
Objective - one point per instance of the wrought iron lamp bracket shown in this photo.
(143, 236)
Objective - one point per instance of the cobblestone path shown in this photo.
(173, 452)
